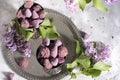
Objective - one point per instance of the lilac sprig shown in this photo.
(15, 42)
(98, 51)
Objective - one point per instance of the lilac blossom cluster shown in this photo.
(71, 5)
(110, 1)
(97, 50)
(15, 42)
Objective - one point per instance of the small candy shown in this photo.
(25, 23)
(61, 60)
(62, 51)
(44, 52)
(58, 42)
(28, 4)
(47, 64)
(11, 76)
(23, 62)
(46, 42)
(42, 14)
(54, 52)
(20, 14)
(37, 8)
(35, 15)
(54, 62)
(28, 13)
(36, 23)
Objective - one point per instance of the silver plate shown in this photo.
(35, 71)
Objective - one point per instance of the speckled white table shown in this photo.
(100, 26)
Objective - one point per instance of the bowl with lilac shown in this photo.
(51, 55)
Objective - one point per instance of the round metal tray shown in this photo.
(35, 71)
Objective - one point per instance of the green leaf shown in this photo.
(82, 4)
(99, 5)
(88, 1)
(49, 32)
(101, 66)
(73, 76)
(78, 47)
(84, 61)
(92, 72)
(72, 65)
(46, 22)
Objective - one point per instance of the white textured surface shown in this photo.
(99, 25)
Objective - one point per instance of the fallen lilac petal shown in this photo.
(28, 13)
(35, 14)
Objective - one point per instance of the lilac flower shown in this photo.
(71, 5)
(13, 47)
(98, 51)
(102, 53)
(110, 1)
(15, 42)
(90, 49)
